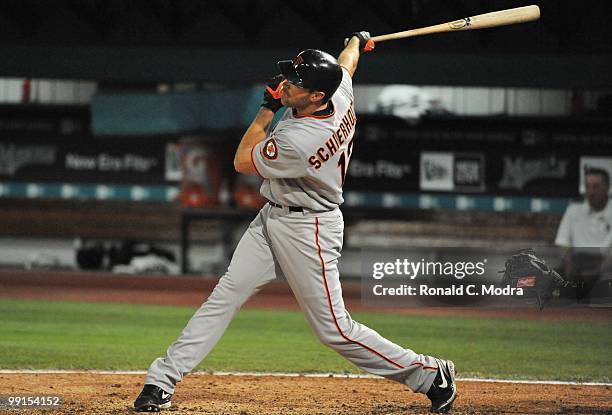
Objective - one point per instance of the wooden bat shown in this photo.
(481, 21)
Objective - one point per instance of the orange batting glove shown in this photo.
(365, 43)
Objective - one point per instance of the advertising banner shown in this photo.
(88, 160)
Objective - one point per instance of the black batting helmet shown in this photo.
(313, 69)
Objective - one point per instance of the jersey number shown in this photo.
(343, 163)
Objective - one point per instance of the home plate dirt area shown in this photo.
(94, 393)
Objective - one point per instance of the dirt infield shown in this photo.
(242, 395)
(207, 394)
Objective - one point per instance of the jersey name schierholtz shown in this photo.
(334, 143)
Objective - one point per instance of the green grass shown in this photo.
(71, 335)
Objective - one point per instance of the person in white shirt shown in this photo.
(585, 233)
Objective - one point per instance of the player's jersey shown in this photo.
(304, 160)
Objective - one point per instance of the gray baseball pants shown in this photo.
(305, 248)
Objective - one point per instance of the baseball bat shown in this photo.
(481, 21)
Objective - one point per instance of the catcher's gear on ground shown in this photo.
(526, 271)
(273, 92)
(365, 43)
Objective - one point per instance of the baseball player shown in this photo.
(303, 160)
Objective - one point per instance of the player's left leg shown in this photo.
(307, 248)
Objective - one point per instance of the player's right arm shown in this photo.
(253, 135)
(257, 131)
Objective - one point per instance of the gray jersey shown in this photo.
(304, 160)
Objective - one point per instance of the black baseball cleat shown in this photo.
(443, 391)
(152, 399)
